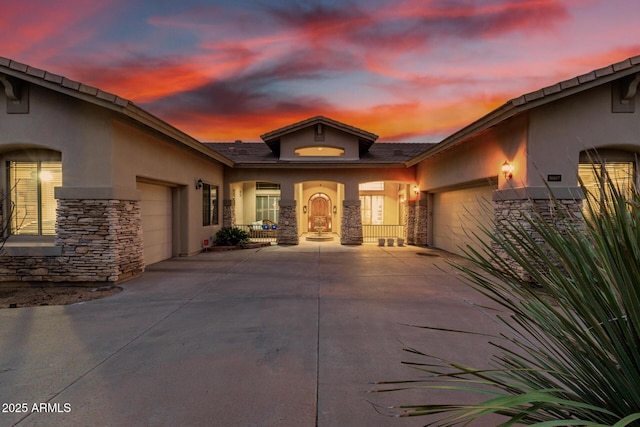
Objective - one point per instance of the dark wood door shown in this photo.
(319, 213)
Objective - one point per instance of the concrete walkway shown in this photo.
(277, 336)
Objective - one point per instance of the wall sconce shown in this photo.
(199, 184)
(304, 209)
(507, 170)
(335, 209)
(416, 190)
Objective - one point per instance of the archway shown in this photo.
(320, 213)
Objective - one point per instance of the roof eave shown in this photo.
(278, 133)
(533, 100)
(93, 95)
(159, 125)
(310, 165)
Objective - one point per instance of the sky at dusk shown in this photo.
(406, 70)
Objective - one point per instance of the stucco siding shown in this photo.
(142, 155)
(77, 129)
(479, 158)
(306, 138)
(561, 130)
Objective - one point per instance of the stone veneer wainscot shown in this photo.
(510, 214)
(96, 241)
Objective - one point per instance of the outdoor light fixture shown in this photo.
(199, 184)
(416, 190)
(304, 209)
(507, 170)
(335, 210)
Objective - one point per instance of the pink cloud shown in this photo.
(38, 30)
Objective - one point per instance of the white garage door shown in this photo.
(156, 222)
(458, 214)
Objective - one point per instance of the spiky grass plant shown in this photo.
(571, 353)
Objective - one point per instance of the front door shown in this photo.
(320, 213)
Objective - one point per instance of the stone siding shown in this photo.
(228, 213)
(98, 240)
(509, 213)
(410, 221)
(351, 230)
(422, 223)
(287, 223)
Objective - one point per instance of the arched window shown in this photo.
(319, 151)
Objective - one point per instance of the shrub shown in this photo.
(231, 236)
(572, 352)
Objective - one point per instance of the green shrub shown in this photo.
(231, 236)
(571, 354)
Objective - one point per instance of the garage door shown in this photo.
(458, 214)
(156, 222)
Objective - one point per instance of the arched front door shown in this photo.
(320, 213)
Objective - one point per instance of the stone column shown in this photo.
(422, 221)
(287, 223)
(351, 230)
(101, 240)
(410, 221)
(228, 213)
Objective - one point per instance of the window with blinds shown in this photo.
(267, 207)
(31, 186)
(593, 176)
(372, 210)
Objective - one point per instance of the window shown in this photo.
(372, 208)
(31, 187)
(593, 175)
(372, 186)
(209, 204)
(319, 151)
(267, 207)
(267, 186)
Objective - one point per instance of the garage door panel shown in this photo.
(157, 222)
(458, 214)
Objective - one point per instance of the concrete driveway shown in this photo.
(277, 336)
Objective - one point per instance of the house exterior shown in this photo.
(100, 187)
(312, 176)
(97, 188)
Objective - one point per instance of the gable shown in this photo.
(319, 138)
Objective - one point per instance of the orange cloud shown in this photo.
(146, 79)
(392, 122)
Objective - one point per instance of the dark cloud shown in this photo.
(252, 91)
(418, 24)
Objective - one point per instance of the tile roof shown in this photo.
(596, 75)
(258, 152)
(275, 134)
(104, 99)
(24, 70)
(535, 99)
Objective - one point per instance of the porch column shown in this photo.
(228, 213)
(351, 230)
(422, 220)
(287, 223)
(410, 221)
